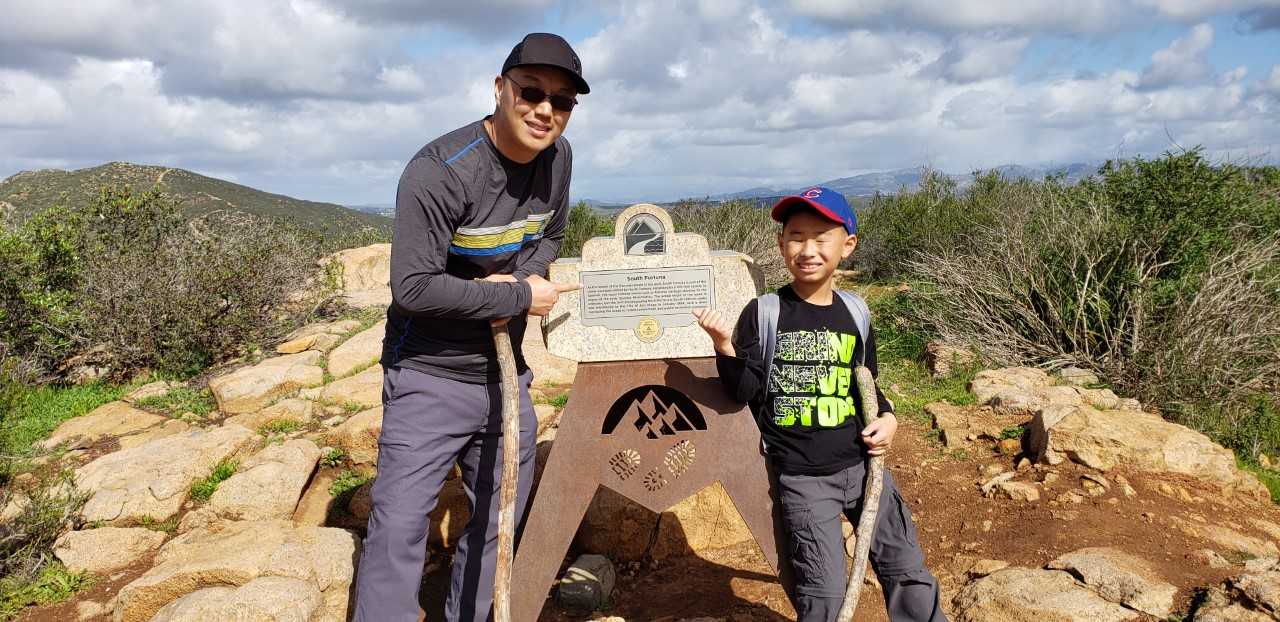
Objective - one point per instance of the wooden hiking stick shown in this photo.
(510, 473)
(870, 499)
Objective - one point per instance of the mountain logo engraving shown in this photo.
(654, 411)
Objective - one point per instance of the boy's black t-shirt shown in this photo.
(811, 415)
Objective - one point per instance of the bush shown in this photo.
(737, 225)
(1163, 276)
(583, 225)
(130, 281)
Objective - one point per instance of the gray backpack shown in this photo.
(767, 307)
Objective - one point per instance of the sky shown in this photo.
(328, 99)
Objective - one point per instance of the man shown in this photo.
(480, 214)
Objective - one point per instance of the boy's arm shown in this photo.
(742, 374)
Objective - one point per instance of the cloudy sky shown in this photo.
(327, 99)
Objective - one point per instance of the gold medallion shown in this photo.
(648, 330)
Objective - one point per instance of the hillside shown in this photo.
(30, 192)
(890, 182)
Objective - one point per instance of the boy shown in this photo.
(811, 428)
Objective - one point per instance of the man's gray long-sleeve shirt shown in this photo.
(464, 212)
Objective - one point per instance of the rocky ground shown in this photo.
(1047, 500)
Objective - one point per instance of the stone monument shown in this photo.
(647, 416)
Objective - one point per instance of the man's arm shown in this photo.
(429, 202)
(549, 246)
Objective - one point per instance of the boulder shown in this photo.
(1031, 595)
(321, 342)
(151, 389)
(586, 584)
(253, 388)
(268, 484)
(111, 419)
(171, 427)
(1120, 578)
(265, 599)
(154, 479)
(292, 409)
(360, 351)
(337, 328)
(548, 369)
(616, 526)
(1218, 606)
(358, 436)
(365, 275)
(363, 389)
(102, 550)
(234, 554)
(1077, 377)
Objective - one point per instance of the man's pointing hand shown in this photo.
(546, 293)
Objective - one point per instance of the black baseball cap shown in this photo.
(544, 48)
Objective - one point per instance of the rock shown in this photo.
(293, 409)
(1261, 588)
(1125, 488)
(1218, 607)
(89, 609)
(1264, 461)
(1212, 558)
(111, 419)
(265, 599)
(587, 584)
(363, 389)
(956, 424)
(105, 549)
(1017, 491)
(942, 358)
(984, 567)
(151, 389)
(253, 388)
(1260, 564)
(362, 350)
(1271, 529)
(1027, 595)
(1120, 578)
(616, 526)
(992, 384)
(991, 484)
(154, 479)
(1077, 377)
(171, 427)
(365, 275)
(548, 369)
(268, 484)
(336, 328)
(1009, 446)
(234, 554)
(358, 436)
(321, 342)
(1234, 540)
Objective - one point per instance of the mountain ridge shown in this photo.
(30, 192)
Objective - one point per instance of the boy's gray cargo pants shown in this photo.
(811, 506)
(428, 425)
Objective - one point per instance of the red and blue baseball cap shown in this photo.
(827, 202)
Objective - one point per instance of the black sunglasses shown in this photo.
(535, 95)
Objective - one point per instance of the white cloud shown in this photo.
(972, 58)
(1183, 61)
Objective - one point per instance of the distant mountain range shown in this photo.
(30, 192)
(887, 182)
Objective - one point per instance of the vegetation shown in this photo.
(181, 400)
(346, 483)
(1163, 276)
(128, 284)
(53, 584)
(204, 489)
(332, 457)
(34, 192)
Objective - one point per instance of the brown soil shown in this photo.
(942, 490)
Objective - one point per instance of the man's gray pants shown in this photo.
(811, 506)
(428, 425)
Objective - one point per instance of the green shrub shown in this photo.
(54, 584)
(279, 426)
(204, 489)
(346, 483)
(1163, 276)
(583, 225)
(50, 507)
(332, 457)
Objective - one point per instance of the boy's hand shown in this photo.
(718, 327)
(879, 434)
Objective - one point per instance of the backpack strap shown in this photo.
(861, 318)
(767, 307)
